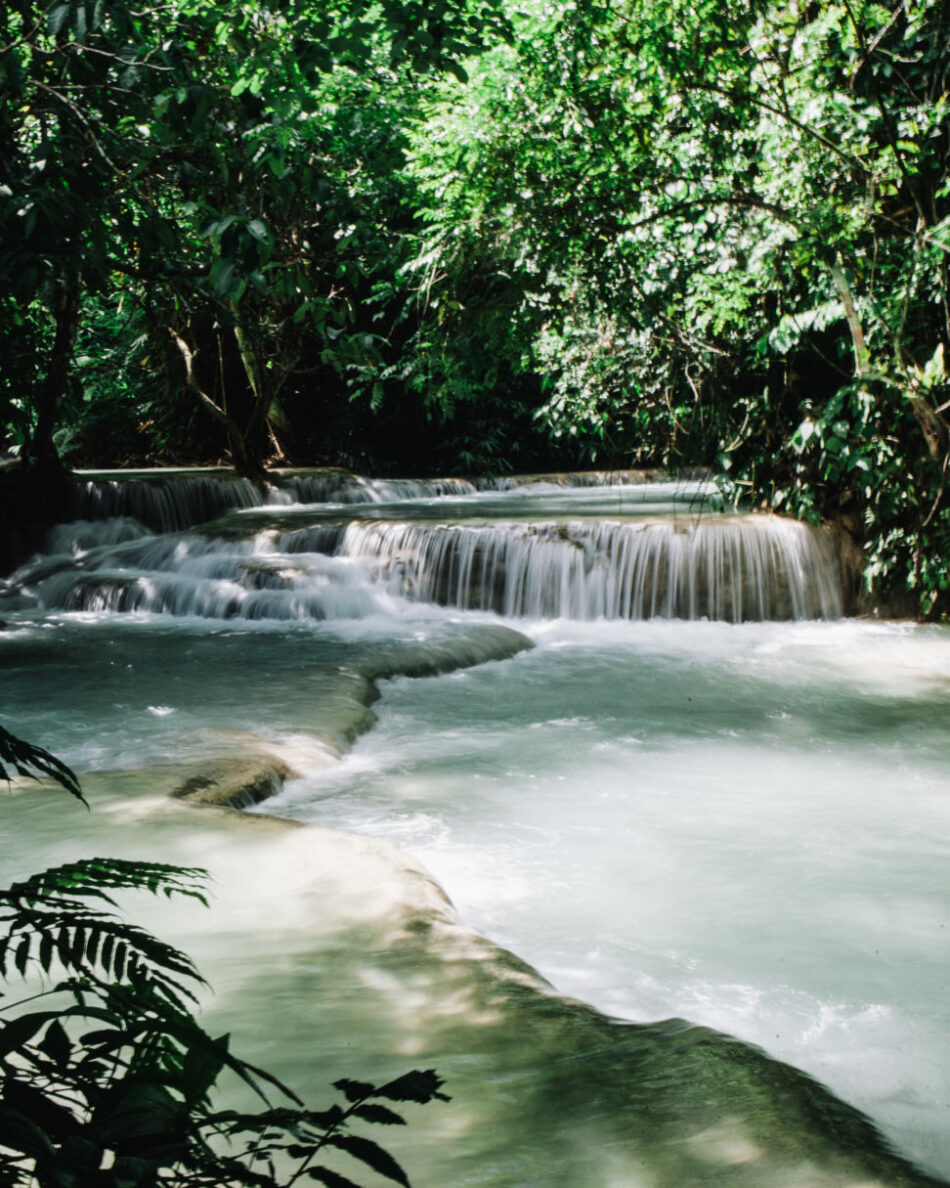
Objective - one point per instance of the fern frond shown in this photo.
(52, 918)
(93, 877)
(36, 763)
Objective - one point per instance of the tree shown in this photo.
(179, 147)
(693, 203)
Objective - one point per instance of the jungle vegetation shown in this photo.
(462, 235)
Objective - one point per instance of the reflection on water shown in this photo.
(743, 825)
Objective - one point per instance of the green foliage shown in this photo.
(26, 759)
(113, 410)
(725, 222)
(105, 1072)
(106, 1075)
(204, 157)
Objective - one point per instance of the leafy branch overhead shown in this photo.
(188, 150)
(699, 224)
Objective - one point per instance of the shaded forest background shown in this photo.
(453, 237)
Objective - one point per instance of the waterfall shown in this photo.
(165, 503)
(173, 502)
(395, 490)
(753, 568)
(188, 575)
(583, 478)
(303, 549)
(729, 569)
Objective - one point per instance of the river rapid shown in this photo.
(634, 743)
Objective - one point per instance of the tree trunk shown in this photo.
(265, 384)
(41, 452)
(862, 362)
(236, 437)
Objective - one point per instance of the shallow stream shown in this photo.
(745, 824)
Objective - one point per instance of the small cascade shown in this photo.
(570, 479)
(174, 502)
(169, 503)
(734, 570)
(183, 575)
(396, 490)
(321, 486)
(337, 487)
(82, 536)
(643, 562)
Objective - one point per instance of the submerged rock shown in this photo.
(234, 783)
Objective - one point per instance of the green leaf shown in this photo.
(222, 276)
(378, 1114)
(79, 22)
(58, 16)
(18, 1032)
(259, 230)
(370, 1153)
(56, 1044)
(217, 227)
(34, 762)
(332, 1179)
(802, 435)
(418, 1085)
(136, 1109)
(354, 1090)
(200, 1069)
(22, 955)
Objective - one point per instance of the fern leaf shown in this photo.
(419, 1085)
(354, 1090)
(370, 1153)
(22, 955)
(381, 1115)
(36, 763)
(46, 952)
(19, 1031)
(331, 1179)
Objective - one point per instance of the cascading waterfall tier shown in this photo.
(164, 504)
(173, 502)
(574, 479)
(749, 568)
(633, 550)
(730, 569)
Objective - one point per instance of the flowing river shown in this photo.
(657, 773)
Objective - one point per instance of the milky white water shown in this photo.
(743, 824)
